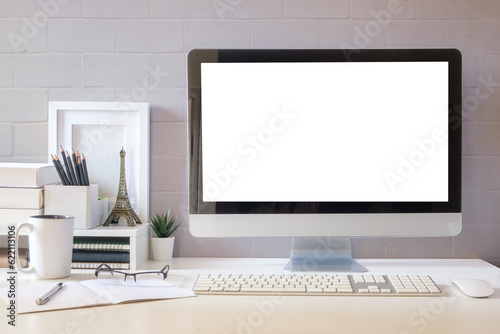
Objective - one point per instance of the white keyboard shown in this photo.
(316, 284)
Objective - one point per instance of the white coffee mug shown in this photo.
(50, 245)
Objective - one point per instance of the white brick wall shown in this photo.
(114, 70)
(317, 9)
(48, 70)
(285, 34)
(149, 36)
(395, 9)
(23, 105)
(52, 8)
(218, 33)
(118, 9)
(83, 35)
(418, 33)
(173, 9)
(29, 138)
(7, 70)
(7, 8)
(103, 50)
(21, 35)
(6, 139)
(450, 9)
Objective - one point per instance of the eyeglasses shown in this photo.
(107, 275)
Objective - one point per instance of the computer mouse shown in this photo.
(477, 288)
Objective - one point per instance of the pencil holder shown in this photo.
(78, 201)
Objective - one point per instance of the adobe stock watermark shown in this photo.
(407, 165)
(151, 81)
(223, 6)
(248, 150)
(31, 27)
(328, 251)
(264, 309)
(482, 92)
(422, 319)
(424, 149)
(373, 28)
(88, 314)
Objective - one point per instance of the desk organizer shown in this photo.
(78, 201)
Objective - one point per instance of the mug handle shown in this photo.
(30, 269)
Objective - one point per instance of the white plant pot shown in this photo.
(162, 248)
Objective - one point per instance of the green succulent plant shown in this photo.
(163, 225)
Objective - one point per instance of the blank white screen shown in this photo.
(356, 131)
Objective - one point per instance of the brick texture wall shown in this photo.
(101, 50)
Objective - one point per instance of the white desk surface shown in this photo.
(452, 313)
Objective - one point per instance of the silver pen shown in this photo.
(46, 297)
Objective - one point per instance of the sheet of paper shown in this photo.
(89, 293)
(124, 293)
(71, 295)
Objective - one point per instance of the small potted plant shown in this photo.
(162, 245)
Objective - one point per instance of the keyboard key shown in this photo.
(434, 290)
(294, 290)
(369, 279)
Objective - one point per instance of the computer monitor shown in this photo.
(324, 145)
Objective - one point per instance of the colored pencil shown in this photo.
(85, 171)
(63, 173)
(72, 172)
(80, 168)
(59, 170)
(75, 164)
(68, 170)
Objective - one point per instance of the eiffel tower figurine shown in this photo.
(122, 206)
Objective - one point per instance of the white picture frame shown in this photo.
(99, 130)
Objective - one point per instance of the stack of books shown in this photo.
(21, 190)
(90, 252)
(21, 196)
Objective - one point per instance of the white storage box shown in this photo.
(78, 201)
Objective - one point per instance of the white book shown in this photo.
(21, 198)
(10, 217)
(27, 175)
(94, 265)
(89, 293)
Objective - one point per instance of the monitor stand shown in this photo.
(325, 254)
